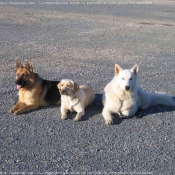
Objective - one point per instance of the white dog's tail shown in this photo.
(161, 99)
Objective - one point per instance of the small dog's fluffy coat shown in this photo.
(123, 96)
(74, 98)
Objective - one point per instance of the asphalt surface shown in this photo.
(83, 42)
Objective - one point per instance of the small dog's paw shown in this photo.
(108, 122)
(76, 119)
(64, 117)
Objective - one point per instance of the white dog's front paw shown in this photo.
(64, 117)
(108, 122)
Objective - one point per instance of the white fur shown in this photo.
(116, 99)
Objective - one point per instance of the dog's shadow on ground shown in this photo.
(96, 108)
(43, 108)
(90, 111)
(143, 113)
(155, 110)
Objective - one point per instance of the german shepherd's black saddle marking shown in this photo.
(52, 95)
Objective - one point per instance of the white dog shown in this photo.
(123, 96)
(74, 98)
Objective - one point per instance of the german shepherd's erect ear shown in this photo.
(18, 64)
(29, 66)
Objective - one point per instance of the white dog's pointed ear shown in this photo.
(135, 69)
(75, 87)
(117, 69)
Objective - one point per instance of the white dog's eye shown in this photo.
(123, 79)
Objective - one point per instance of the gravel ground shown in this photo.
(83, 42)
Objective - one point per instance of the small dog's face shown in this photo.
(67, 87)
(127, 78)
(24, 75)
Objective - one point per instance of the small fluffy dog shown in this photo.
(74, 98)
(33, 90)
(123, 96)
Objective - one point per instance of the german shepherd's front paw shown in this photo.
(17, 112)
(11, 110)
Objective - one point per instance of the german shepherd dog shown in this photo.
(33, 90)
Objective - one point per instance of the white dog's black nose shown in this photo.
(127, 88)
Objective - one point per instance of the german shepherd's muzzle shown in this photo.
(20, 83)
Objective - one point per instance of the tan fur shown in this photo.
(31, 96)
(74, 98)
